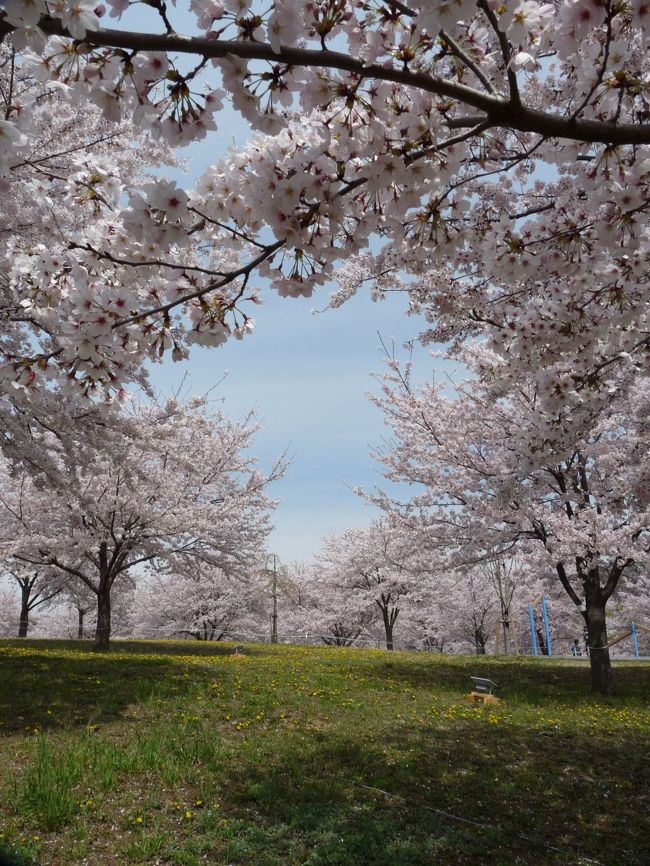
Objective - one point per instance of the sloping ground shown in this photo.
(181, 753)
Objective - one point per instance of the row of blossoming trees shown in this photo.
(494, 154)
(485, 526)
(174, 490)
(484, 534)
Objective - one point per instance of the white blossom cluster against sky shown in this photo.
(306, 375)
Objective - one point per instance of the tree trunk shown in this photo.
(388, 626)
(80, 624)
(506, 635)
(479, 642)
(601, 668)
(103, 631)
(23, 625)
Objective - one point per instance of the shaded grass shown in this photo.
(47, 684)
(187, 754)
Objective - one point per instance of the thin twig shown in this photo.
(467, 60)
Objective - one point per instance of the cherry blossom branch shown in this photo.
(603, 66)
(395, 5)
(501, 170)
(161, 7)
(509, 114)
(467, 60)
(505, 51)
(463, 122)
(144, 264)
(9, 98)
(52, 560)
(566, 583)
(84, 146)
(644, 343)
(230, 229)
(451, 142)
(531, 211)
(615, 572)
(244, 271)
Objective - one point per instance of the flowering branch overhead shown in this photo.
(491, 155)
(499, 111)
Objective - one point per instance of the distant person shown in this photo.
(575, 648)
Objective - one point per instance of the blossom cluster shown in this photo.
(490, 154)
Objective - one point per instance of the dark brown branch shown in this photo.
(506, 53)
(467, 61)
(230, 229)
(229, 278)
(564, 580)
(146, 263)
(499, 112)
(50, 156)
(603, 66)
(616, 570)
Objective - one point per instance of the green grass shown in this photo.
(186, 754)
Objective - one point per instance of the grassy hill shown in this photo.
(182, 754)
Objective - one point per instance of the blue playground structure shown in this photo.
(632, 631)
(533, 632)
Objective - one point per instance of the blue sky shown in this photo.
(305, 375)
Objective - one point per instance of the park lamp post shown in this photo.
(273, 574)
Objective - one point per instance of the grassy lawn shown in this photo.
(182, 754)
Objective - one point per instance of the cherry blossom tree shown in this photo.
(474, 612)
(581, 515)
(368, 570)
(181, 488)
(83, 602)
(72, 169)
(38, 585)
(323, 612)
(200, 602)
(9, 611)
(427, 621)
(365, 579)
(36, 590)
(495, 151)
(73, 613)
(503, 577)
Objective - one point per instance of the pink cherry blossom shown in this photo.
(175, 487)
(491, 156)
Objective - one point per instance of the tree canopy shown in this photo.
(496, 151)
